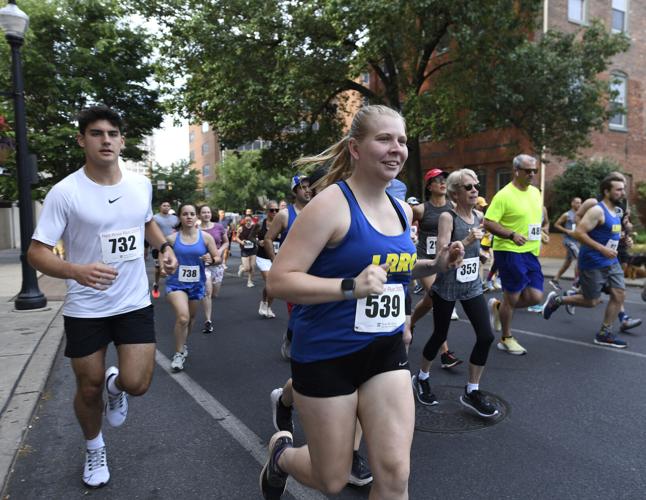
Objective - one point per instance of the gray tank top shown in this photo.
(463, 283)
(569, 223)
(428, 229)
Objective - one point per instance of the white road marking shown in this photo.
(230, 423)
(581, 343)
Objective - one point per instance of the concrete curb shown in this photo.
(17, 414)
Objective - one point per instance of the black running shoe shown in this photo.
(449, 360)
(282, 415)
(422, 390)
(208, 327)
(477, 402)
(360, 475)
(272, 479)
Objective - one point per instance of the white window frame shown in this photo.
(625, 11)
(619, 79)
(584, 12)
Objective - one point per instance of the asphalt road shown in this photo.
(572, 423)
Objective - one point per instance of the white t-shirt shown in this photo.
(100, 224)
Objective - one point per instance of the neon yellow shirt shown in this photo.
(518, 211)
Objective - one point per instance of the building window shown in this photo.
(576, 11)
(205, 148)
(205, 127)
(618, 103)
(365, 79)
(482, 179)
(206, 170)
(191, 155)
(503, 177)
(191, 136)
(619, 16)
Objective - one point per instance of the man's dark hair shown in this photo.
(606, 183)
(99, 112)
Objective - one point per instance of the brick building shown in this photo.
(623, 139)
(204, 152)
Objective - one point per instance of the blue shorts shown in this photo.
(518, 271)
(196, 291)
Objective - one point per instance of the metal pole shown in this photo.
(30, 296)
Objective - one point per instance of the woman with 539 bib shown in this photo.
(186, 288)
(347, 263)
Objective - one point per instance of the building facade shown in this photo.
(204, 153)
(623, 138)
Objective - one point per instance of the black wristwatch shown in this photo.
(347, 286)
(163, 246)
(511, 236)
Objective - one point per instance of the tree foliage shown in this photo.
(282, 70)
(580, 178)
(242, 184)
(177, 184)
(77, 54)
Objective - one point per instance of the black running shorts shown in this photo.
(344, 375)
(86, 336)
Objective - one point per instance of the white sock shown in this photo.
(422, 375)
(96, 443)
(472, 387)
(112, 387)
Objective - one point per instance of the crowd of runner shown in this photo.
(347, 256)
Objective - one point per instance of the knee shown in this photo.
(393, 478)
(90, 392)
(135, 386)
(183, 319)
(332, 485)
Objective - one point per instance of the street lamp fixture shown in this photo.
(14, 22)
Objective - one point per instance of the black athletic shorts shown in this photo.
(344, 375)
(85, 336)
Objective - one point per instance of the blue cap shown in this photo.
(297, 179)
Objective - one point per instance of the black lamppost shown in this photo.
(14, 22)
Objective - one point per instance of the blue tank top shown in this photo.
(325, 331)
(607, 234)
(190, 266)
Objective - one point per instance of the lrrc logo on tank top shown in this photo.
(399, 262)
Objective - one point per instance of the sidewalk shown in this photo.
(29, 342)
(28, 346)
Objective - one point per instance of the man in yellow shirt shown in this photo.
(515, 218)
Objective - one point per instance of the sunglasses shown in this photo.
(529, 170)
(469, 187)
(439, 180)
(273, 210)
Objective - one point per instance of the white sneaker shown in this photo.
(262, 310)
(270, 313)
(177, 364)
(240, 270)
(116, 409)
(454, 315)
(250, 284)
(95, 471)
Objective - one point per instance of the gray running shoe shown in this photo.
(272, 479)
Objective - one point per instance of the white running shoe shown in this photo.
(270, 313)
(116, 409)
(454, 315)
(177, 364)
(95, 471)
(250, 284)
(262, 310)
(494, 314)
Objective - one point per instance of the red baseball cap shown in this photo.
(434, 172)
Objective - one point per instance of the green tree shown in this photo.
(241, 183)
(77, 54)
(580, 178)
(177, 184)
(281, 70)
